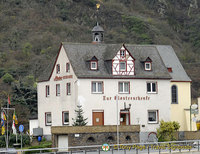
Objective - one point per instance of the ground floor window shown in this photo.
(48, 118)
(153, 116)
(65, 117)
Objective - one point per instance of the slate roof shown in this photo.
(171, 60)
(80, 53)
(97, 28)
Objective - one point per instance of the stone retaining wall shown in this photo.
(95, 135)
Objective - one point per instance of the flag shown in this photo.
(3, 130)
(9, 100)
(15, 118)
(3, 116)
(14, 128)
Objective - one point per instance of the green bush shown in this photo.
(166, 130)
(2, 142)
(7, 78)
(43, 144)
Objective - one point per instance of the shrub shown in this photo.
(167, 130)
(7, 78)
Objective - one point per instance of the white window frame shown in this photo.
(151, 87)
(123, 88)
(120, 66)
(68, 88)
(63, 117)
(146, 68)
(47, 90)
(57, 89)
(46, 117)
(122, 53)
(97, 87)
(91, 65)
(157, 118)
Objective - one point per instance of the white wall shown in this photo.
(33, 124)
(57, 104)
(81, 94)
(139, 108)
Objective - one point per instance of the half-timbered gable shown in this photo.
(123, 63)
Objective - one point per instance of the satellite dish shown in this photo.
(194, 106)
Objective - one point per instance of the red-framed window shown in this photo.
(122, 66)
(122, 53)
(67, 67)
(65, 117)
(57, 89)
(124, 87)
(48, 119)
(47, 90)
(97, 87)
(58, 68)
(68, 88)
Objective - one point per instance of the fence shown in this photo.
(134, 148)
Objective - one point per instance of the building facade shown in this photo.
(120, 84)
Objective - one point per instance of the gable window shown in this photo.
(97, 87)
(122, 66)
(147, 66)
(122, 53)
(124, 87)
(47, 90)
(48, 119)
(57, 89)
(68, 88)
(67, 67)
(153, 116)
(174, 92)
(93, 65)
(58, 68)
(65, 117)
(151, 87)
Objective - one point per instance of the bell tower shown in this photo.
(97, 34)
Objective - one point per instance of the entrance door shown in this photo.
(98, 118)
(125, 118)
(63, 142)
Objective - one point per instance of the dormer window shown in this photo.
(93, 65)
(122, 66)
(147, 66)
(122, 53)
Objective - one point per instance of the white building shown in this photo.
(103, 78)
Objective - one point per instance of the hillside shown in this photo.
(31, 32)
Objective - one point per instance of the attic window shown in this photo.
(93, 65)
(122, 53)
(147, 66)
(58, 68)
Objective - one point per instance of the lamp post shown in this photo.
(117, 106)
